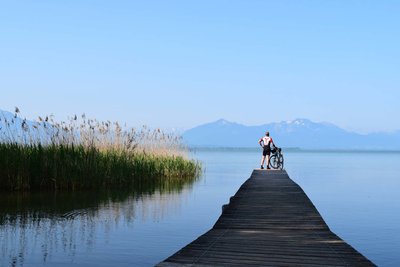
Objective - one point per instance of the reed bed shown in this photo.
(88, 154)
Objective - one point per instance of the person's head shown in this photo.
(267, 133)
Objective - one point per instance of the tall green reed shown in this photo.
(84, 153)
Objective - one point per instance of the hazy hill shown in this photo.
(300, 133)
(11, 128)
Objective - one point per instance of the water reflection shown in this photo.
(39, 227)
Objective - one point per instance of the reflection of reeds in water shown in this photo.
(84, 153)
(61, 225)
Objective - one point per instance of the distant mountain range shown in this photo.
(299, 133)
(11, 127)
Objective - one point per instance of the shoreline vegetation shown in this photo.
(83, 154)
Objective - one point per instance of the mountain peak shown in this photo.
(299, 121)
(300, 132)
(223, 122)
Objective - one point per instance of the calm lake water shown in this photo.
(357, 193)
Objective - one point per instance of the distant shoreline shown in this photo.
(296, 149)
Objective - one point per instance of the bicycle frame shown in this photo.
(276, 159)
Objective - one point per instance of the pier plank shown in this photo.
(270, 221)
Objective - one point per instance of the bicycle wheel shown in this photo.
(273, 162)
(281, 162)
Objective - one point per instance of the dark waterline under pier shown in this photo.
(270, 221)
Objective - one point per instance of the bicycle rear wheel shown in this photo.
(281, 162)
(274, 162)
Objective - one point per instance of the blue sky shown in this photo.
(183, 63)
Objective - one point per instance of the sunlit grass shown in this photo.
(88, 154)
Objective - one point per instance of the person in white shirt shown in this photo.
(265, 142)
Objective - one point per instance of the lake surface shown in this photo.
(357, 193)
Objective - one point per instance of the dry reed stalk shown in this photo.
(89, 133)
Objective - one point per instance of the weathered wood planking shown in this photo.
(269, 222)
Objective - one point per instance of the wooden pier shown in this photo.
(269, 222)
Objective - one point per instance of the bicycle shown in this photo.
(276, 159)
